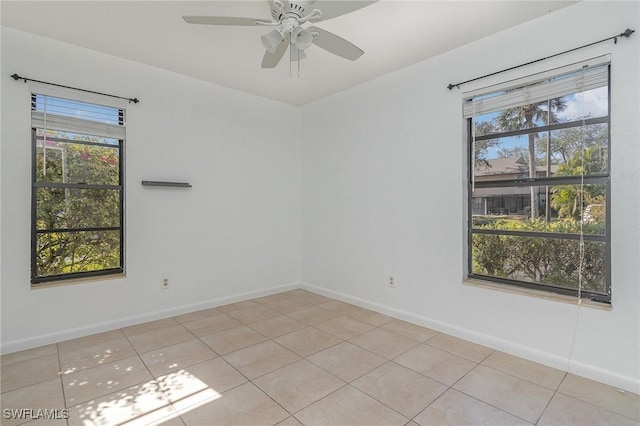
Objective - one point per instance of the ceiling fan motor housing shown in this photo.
(299, 9)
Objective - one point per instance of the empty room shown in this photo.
(320, 212)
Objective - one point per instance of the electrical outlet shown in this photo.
(165, 284)
(392, 282)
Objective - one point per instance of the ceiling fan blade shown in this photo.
(335, 44)
(270, 60)
(333, 9)
(223, 20)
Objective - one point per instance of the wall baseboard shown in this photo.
(60, 336)
(559, 362)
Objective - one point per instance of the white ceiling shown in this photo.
(393, 34)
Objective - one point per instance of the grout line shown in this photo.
(491, 405)
(431, 403)
(60, 375)
(522, 378)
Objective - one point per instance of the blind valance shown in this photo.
(536, 88)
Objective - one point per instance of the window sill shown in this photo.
(73, 281)
(474, 282)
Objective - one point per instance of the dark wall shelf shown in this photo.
(168, 184)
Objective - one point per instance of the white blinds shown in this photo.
(73, 111)
(76, 125)
(556, 83)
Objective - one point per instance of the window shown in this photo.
(539, 192)
(77, 192)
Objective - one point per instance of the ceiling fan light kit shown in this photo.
(272, 40)
(301, 38)
(289, 16)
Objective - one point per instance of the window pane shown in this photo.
(572, 208)
(64, 208)
(579, 150)
(592, 103)
(69, 252)
(508, 158)
(554, 262)
(62, 162)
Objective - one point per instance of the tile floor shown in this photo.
(295, 358)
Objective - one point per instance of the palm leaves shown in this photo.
(528, 117)
(570, 200)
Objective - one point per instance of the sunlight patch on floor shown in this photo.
(149, 403)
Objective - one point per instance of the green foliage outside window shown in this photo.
(548, 261)
(82, 245)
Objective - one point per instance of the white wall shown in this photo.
(234, 234)
(383, 193)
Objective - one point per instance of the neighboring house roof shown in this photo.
(507, 166)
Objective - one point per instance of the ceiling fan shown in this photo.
(287, 17)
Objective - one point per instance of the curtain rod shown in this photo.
(16, 77)
(627, 33)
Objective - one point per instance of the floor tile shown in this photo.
(289, 304)
(338, 307)
(412, 331)
(142, 404)
(460, 347)
(515, 396)
(28, 354)
(455, 408)
(96, 354)
(47, 394)
(212, 377)
(524, 369)
(55, 421)
(601, 395)
(370, 317)
(149, 326)
(384, 343)
(174, 357)
(298, 385)
(402, 389)
(567, 411)
(314, 298)
(349, 406)
(155, 339)
(344, 327)
(102, 380)
(237, 305)
(210, 325)
(307, 341)
(192, 316)
(347, 361)
(243, 405)
(29, 372)
(290, 421)
(277, 326)
(81, 342)
(439, 365)
(272, 298)
(232, 339)
(313, 315)
(260, 359)
(252, 314)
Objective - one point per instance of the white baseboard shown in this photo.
(559, 362)
(59, 336)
